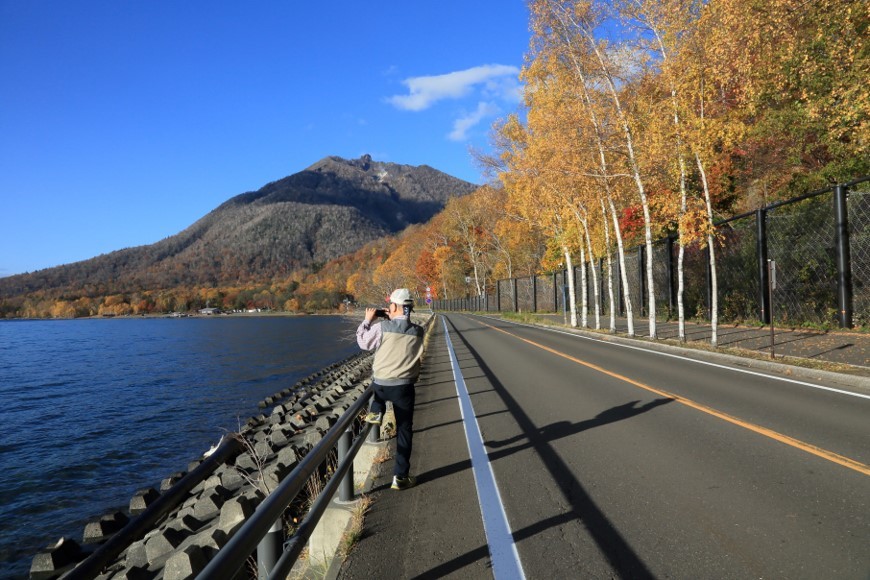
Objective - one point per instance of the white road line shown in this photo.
(676, 356)
(502, 549)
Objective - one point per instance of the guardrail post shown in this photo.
(269, 550)
(374, 434)
(345, 489)
(844, 258)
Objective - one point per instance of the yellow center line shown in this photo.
(791, 441)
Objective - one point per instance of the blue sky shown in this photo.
(121, 123)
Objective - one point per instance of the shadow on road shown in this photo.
(560, 429)
(625, 562)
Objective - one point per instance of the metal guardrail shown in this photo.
(261, 532)
(293, 547)
(92, 566)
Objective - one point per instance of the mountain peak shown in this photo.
(364, 163)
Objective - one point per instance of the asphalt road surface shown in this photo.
(619, 462)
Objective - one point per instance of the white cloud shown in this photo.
(497, 80)
(463, 124)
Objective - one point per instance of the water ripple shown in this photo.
(95, 409)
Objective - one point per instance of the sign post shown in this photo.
(771, 276)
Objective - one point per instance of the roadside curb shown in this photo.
(324, 546)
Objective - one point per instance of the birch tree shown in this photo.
(556, 45)
(584, 19)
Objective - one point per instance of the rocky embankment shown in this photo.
(172, 532)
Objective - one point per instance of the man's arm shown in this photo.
(368, 335)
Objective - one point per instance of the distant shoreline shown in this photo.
(192, 315)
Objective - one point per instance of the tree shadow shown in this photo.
(619, 554)
(561, 429)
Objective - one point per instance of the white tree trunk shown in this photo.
(655, 28)
(590, 109)
(633, 164)
(609, 268)
(477, 280)
(711, 245)
(582, 217)
(681, 309)
(572, 297)
(629, 315)
(594, 276)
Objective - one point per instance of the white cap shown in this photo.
(401, 296)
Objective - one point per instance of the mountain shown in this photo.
(328, 210)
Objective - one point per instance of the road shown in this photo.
(613, 461)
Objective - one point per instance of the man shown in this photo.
(398, 346)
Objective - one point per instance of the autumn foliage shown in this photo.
(641, 118)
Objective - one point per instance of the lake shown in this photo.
(93, 410)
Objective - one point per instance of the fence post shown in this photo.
(498, 296)
(641, 279)
(555, 293)
(601, 286)
(565, 294)
(516, 297)
(709, 283)
(672, 288)
(844, 258)
(534, 293)
(761, 256)
(620, 298)
(565, 306)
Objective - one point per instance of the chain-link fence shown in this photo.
(662, 278)
(545, 297)
(737, 269)
(506, 295)
(859, 241)
(799, 235)
(801, 240)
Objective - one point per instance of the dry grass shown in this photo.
(383, 456)
(354, 532)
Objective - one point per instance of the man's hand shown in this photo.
(370, 314)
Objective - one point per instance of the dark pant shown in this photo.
(402, 398)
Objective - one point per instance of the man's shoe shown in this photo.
(403, 482)
(374, 418)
